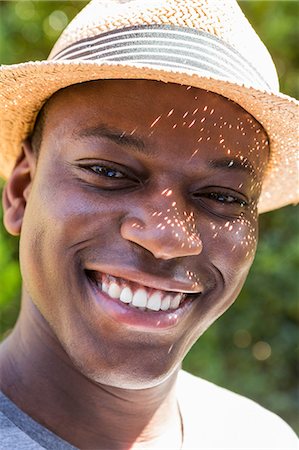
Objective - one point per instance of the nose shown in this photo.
(168, 231)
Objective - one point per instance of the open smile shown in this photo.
(139, 296)
(129, 301)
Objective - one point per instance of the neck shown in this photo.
(35, 368)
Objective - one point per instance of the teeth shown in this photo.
(154, 302)
(140, 298)
(174, 304)
(114, 290)
(105, 287)
(166, 303)
(126, 295)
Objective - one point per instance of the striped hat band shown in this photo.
(166, 46)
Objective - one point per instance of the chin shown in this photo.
(132, 373)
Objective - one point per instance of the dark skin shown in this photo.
(153, 183)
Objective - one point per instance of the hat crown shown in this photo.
(220, 18)
(207, 44)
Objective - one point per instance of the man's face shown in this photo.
(147, 191)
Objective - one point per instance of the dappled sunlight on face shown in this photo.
(236, 143)
(151, 183)
(168, 231)
(182, 223)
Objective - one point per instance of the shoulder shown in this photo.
(19, 431)
(217, 418)
(13, 437)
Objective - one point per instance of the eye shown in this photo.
(107, 171)
(225, 198)
(221, 202)
(108, 175)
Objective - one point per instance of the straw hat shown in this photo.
(207, 44)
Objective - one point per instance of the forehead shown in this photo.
(158, 113)
(131, 96)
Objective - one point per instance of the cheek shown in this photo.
(59, 220)
(70, 214)
(65, 222)
(234, 244)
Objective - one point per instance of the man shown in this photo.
(136, 202)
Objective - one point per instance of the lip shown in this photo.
(150, 281)
(135, 318)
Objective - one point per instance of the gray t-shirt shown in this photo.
(213, 419)
(19, 432)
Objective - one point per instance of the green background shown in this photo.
(252, 348)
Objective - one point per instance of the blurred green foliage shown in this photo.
(252, 348)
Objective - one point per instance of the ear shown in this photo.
(17, 189)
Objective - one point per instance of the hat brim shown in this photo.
(25, 88)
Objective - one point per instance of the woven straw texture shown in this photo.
(24, 89)
(223, 19)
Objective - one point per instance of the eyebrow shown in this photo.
(136, 143)
(233, 163)
(115, 135)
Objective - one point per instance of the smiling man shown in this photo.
(137, 202)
